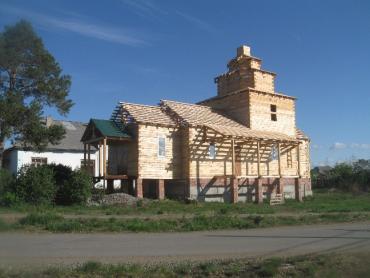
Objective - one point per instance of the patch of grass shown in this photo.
(40, 219)
(57, 223)
(332, 265)
(269, 267)
(331, 202)
(150, 208)
(321, 202)
(196, 216)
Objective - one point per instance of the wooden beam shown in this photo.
(85, 165)
(232, 157)
(117, 177)
(100, 160)
(105, 157)
(298, 163)
(119, 139)
(222, 176)
(258, 159)
(279, 161)
(94, 140)
(89, 158)
(204, 135)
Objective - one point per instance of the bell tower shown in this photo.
(244, 71)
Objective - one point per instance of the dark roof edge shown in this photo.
(276, 94)
(18, 148)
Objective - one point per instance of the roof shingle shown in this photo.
(147, 114)
(70, 142)
(199, 115)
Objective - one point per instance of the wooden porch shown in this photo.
(258, 146)
(100, 134)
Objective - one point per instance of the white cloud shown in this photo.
(360, 146)
(145, 8)
(341, 146)
(338, 146)
(105, 33)
(197, 22)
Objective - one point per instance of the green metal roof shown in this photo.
(109, 129)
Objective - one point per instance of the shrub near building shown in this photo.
(45, 185)
(6, 180)
(6, 183)
(36, 185)
(73, 187)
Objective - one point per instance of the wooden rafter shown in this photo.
(258, 159)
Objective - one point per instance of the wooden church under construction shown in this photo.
(241, 145)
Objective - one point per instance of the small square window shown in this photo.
(38, 161)
(161, 147)
(212, 151)
(273, 108)
(273, 117)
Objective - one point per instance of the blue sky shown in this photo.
(143, 51)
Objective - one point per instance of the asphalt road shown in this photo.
(18, 249)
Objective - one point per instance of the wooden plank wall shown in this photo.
(151, 166)
(187, 156)
(263, 81)
(235, 106)
(260, 113)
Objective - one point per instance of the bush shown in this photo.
(62, 174)
(35, 185)
(351, 177)
(9, 199)
(44, 185)
(6, 180)
(77, 189)
(6, 183)
(73, 187)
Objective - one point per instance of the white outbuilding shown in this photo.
(69, 152)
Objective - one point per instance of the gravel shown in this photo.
(115, 199)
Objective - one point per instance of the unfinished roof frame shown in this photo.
(210, 135)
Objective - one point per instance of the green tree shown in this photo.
(30, 80)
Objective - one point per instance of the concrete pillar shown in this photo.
(280, 188)
(259, 191)
(110, 187)
(298, 191)
(139, 188)
(234, 189)
(160, 189)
